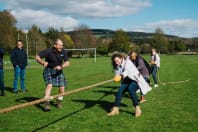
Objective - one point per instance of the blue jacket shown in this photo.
(18, 57)
(1, 58)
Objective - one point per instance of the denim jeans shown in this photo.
(131, 86)
(19, 72)
(154, 73)
(2, 80)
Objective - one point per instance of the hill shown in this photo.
(135, 36)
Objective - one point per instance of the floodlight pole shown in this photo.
(27, 46)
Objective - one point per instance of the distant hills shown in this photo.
(132, 34)
(137, 37)
(107, 33)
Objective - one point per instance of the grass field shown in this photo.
(169, 108)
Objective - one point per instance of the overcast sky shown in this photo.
(175, 17)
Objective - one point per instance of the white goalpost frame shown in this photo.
(83, 49)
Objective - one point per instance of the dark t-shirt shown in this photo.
(53, 57)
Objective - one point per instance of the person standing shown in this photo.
(2, 73)
(56, 59)
(140, 65)
(155, 65)
(18, 58)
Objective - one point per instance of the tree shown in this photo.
(67, 41)
(179, 45)
(120, 42)
(171, 46)
(194, 45)
(102, 49)
(145, 48)
(135, 47)
(160, 41)
(7, 30)
(36, 40)
(52, 33)
(83, 37)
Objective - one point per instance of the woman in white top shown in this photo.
(155, 65)
(131, 78)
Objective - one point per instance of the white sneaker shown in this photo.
(156, 85)
(137, 91)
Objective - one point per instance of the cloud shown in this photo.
(65, 13)
(179, 27)
(26, 18)
(83, 8)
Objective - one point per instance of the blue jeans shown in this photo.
(2, 80)
(154, 73)
(19, 72)
(131, 86)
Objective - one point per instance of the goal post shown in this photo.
(85, 49)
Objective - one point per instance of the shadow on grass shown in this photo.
(9, 89)
(29, 99)
(106, 105)
(112, 87)
(66, 116)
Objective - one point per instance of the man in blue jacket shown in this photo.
(18, 58)
(1, 72)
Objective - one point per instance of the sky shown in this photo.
(174, 17)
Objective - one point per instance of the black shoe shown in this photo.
(16, 92)
(47, 106)
(59, 104)
(2, 94)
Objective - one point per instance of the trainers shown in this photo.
(137, 91)
(138, 111)
(2, 94)
(155, 86)
(16, 92)
(47, 106)
(24, 91)
(59, 104)
(114, 111)
(142, 99)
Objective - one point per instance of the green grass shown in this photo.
(171, 107)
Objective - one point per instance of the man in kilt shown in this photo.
(56, 59)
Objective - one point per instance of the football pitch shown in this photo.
(171, 107)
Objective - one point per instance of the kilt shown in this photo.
(51, 76)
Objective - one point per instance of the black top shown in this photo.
(53, 57)
(141, 66)
(1, 58)
(18, 57)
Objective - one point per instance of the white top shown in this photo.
(120, 68)
(156, 59)
(132, 72)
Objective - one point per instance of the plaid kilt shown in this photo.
(56, 79)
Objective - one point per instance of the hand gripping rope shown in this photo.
(5, 110)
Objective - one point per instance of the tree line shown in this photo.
(83, 37)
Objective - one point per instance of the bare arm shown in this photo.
(65, 64)
(40, 61)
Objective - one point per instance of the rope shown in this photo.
(5, 110)
(164, 83)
